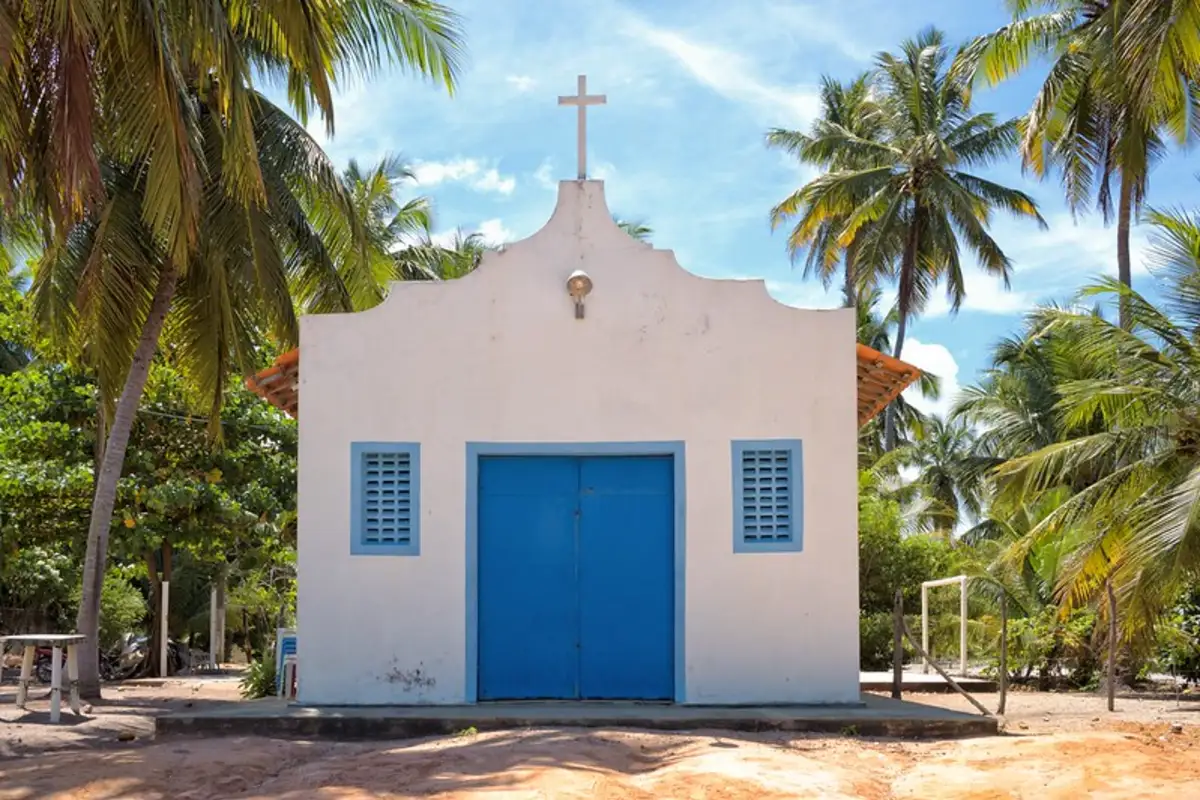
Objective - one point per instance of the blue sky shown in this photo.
(692, 87)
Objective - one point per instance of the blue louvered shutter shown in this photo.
(385, 488)
(767, 503)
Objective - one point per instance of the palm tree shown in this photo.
(81, 80)
(635, 228)
(875, 330)
(187, 147)
(1123, 73)
(949, 477)
(1130, 454)
(849, 114)
(909, 211)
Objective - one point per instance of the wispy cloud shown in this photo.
(469, 171)
(544, 174)
(493, 232)
(816, 26)
(935, 359)
(522, 83)
(727, 72)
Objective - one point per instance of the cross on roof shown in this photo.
(582, 100)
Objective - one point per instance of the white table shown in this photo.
(56, 641)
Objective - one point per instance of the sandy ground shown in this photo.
(1056, 746)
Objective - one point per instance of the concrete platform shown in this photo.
(876, 716)
(920, 682)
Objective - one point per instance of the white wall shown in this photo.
(498, 356)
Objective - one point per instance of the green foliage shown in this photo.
(259, 678)
(122, 608)
(1051, 648)
(35, 590)
(1178, 640)
(891, 561)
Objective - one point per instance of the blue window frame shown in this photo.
(768, 496)
(385, 498)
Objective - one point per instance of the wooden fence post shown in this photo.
(1003, 652)
(898, 646)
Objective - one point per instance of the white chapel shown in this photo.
(579, 473)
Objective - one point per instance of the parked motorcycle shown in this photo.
(122, 662)
(43, 666)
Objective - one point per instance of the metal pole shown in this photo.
(962, 633)
(1003, 652)
(925, 629)
(898, 646)
(162, 645)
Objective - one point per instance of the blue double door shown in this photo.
(576, 578)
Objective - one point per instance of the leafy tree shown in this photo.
(13, 325)
(889, 561)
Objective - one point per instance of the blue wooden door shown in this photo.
(626, 578)
(576, 578)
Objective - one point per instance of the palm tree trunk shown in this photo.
(1124, 262)
(105, 498)
(850, 287)
(903, 304)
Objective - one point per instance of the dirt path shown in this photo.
(1067, 749)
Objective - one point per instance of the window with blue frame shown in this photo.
(385, 498)
(768, 496)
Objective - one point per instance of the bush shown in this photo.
(1053, 649)
(875, 641)
(122, 609)
(1179, 637)
(35, 590)
(259, 678)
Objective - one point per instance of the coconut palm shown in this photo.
(948, 474)
(845, 109)
(875, 330)
(82, 80)
(1122, 75)
(635, 228)
(187, 146)
(1131, 456)
(908, 211)
(110, 290)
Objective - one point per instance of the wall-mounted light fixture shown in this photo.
(579, 286)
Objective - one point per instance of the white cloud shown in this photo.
(727, 73)
(1047, 265)
(934, 359)
(494, 232)
(522, 83)
(544, 175)
(445, 238)
(492, 181)
(805, 294)
(602, 170)
(470, 171)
